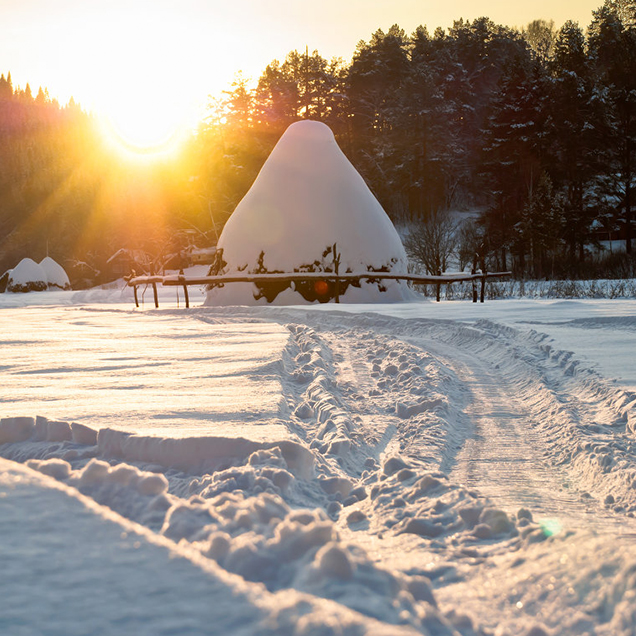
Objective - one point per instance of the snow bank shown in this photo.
(197, 454)
(19, 429)
(27, 276)
(56, 276)
(308, 210)
(132, 580)
(190, 454)
(71, 568)
(239, 518)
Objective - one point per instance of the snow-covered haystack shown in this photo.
(309, 210)
(56, 276)
(27, 276)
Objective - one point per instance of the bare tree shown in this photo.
(541, 36)
(470, 250)
(433, 242)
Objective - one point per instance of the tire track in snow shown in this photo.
(504, 455)
(398, 395)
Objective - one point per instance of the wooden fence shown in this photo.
(180, 280)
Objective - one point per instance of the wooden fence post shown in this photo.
(336, 269)
(439, 287)
(483, 288)
(136, 297)
(154, 292)
(185, 289)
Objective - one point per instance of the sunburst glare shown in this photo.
(145, 132)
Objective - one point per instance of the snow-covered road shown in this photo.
(371, 458)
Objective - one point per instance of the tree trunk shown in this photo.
(628, 206)
(503, 260)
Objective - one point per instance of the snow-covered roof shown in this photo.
(307, 198)
(137, 255)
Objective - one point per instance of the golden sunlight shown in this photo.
(140, 73)
(144, 130)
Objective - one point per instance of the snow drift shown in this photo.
(309, 210)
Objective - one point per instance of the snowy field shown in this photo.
(414, 468)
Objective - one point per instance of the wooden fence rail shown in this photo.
(185, 281)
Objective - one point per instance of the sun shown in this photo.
(145, 130)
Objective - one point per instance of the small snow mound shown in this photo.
(56, 468)
(333, 561)
(95, 472)
(27, 276)
(58, 431)
(83, 434)
(56, 276)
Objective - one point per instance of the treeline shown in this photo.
(66, 193)
(535, 129)
(40, 145)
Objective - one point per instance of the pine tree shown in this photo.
(304, 86)
(575, 125)
(425, 165)
(278, 97)
(376, 95)
(239, 103)
(613, 48)
(542, 225)
(6, 89)
(42, 97)
(513, 154)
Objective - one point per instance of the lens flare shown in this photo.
(551, 527)
(321, 287)
(135, 138)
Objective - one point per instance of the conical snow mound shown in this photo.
(307, 209)
(27, 276)
(56, 276)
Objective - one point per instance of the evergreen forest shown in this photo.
(531, 133)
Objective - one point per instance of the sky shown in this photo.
(126, 58)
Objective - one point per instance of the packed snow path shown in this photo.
(506, 458)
